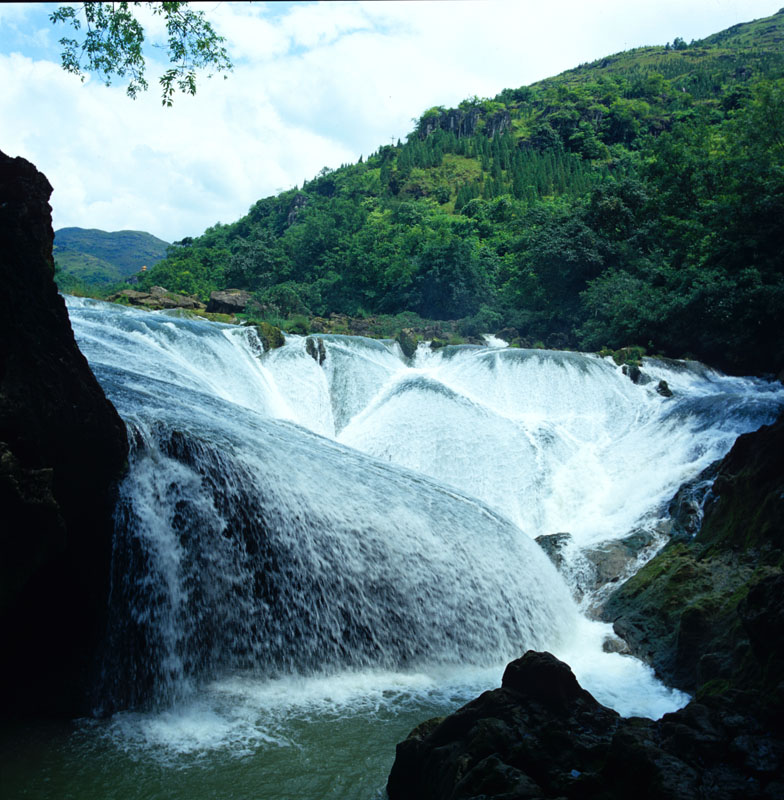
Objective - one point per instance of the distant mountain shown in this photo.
(94, 257)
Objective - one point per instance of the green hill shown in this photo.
(93, 258)
(637, 199)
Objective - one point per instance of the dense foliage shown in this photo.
(638, 199)
(110, 41)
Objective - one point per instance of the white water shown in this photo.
(295, 536)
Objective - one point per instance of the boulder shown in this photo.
(542, 735)
(158, 298)
(270, 337)
(407, 341)
(229, 301)
(62, 449)
(553, 545)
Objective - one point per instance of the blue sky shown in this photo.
(314, 85)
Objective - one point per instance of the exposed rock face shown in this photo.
(62, 448)
(464, 122)
(230, 301)
(542, 735)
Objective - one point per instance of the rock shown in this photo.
(663, 389)
(229, 301)
(542, 735)
(542, 678)
(553, 545)
(62, 449)
(692, 611)
(158, 298)
(687, 506)
(270, 337)
(407, 341)
(593, 571)
(633, 372)
(557, 341)
(614, 559)
(314, 346)
(708, 613)
(508, 334)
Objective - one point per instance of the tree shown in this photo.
(113, 38)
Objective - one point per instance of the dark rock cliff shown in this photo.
(62, 449)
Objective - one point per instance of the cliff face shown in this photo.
(62, 448)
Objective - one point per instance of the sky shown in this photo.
(315, 84)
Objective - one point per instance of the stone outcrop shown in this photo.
(466, 122)
(62, 449)
(229, 301)
(158, 298)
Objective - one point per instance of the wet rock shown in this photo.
(407, 341)
(663, 389)
(706, 612)
(557, 341)
(632, 371)
(686, 507)
(270, 337)
(553, 545)
(542, 735)
(314, 346)
(614, 559)
(508, 334)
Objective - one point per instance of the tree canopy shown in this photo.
(109, 40)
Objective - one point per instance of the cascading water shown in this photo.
(305, 545)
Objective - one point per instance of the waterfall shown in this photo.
(285, 517)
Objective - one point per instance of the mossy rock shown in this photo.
(407, 341)
(631, 356)
(270, 336)
(709, 607)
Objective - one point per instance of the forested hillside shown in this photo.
(635, 200)
(90, 257)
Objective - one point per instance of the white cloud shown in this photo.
(315, 84)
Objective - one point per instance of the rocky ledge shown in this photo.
(541, 735)
(62, 449)
(708, 613)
